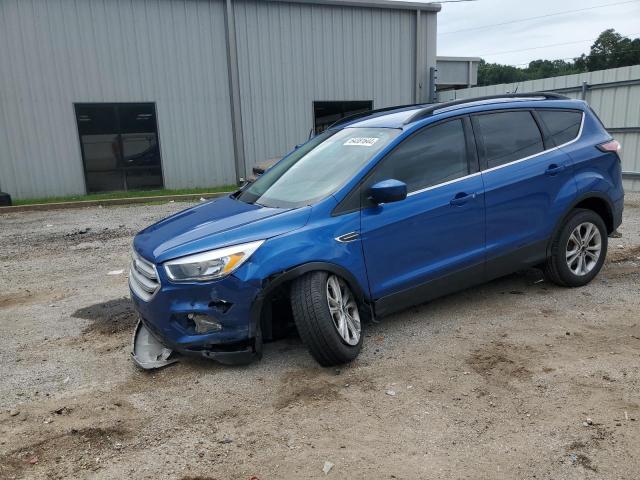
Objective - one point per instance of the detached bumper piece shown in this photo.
(149, 353)
(238, 357)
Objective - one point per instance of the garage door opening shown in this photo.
(327, 113)
(120, 146)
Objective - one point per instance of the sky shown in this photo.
(497, 44)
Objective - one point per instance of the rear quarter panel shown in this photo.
(595, 171)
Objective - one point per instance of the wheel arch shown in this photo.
(284, 277)
(594, 201)
(271, 284)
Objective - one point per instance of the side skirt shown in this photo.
(523, 257)
(428, 291)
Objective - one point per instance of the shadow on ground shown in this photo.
(110, 317)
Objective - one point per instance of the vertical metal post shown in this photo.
(583, 91)
(417, 93)
(433, 82)
(234, 93)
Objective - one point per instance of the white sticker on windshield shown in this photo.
(362, 141)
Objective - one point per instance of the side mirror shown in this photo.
(388, 191)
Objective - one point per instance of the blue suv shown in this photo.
(381, 211)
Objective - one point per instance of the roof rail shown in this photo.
(427, 111)
(355, 116)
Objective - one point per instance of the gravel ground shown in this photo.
(514, 379)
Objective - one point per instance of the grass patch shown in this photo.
(122, 194)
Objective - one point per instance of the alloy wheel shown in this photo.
(344, 310)
(583, 248)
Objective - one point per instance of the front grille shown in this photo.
(143, 278)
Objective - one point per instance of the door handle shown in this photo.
(462, 198)
(554, 169)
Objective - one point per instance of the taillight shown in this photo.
(612, 146)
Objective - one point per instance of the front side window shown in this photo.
(434, 155)
(509, 136)
(318, 168)
(563, 125)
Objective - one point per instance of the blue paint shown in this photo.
(457, 226)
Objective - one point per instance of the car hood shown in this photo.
(215, 224)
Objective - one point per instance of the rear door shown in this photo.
(528, 183)
(433, 241)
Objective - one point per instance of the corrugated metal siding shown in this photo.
(290, 55)
(57, 52)
(618, 106)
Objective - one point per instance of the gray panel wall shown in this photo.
(57, 52)
(618, 106)
(290, 55)
(456, 72)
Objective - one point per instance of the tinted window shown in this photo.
(431, 156)
(509, 136)
(562, 126)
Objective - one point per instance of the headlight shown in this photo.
(210, 265)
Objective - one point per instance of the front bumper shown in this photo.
(229, 301)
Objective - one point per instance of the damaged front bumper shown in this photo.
(215, 320)
(147, 352)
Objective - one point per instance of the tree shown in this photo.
(610, 50)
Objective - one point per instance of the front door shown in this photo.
(433, 241)
(120, 147)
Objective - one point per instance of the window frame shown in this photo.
(548, 143)
(482, 153)
(548, 132)
(347, 205)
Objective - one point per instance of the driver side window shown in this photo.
(431, 156)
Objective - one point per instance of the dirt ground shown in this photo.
(514, 379)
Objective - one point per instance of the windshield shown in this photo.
(318, 168)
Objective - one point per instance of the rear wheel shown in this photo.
(578, 250)
(327, 317)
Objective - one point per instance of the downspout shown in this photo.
(234, 93)
(417, 93)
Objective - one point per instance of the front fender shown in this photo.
(313, 247)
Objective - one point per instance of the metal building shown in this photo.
(100, 95)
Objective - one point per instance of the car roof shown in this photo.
(407, 115)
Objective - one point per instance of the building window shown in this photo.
(327, 113)
(120, 146)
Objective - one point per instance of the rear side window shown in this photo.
(563, 126)
(509, 136)
(434, 155)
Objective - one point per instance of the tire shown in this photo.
(563, 267)
(318, 326)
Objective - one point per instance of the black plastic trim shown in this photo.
(274, 281)
(617, 219)
(522, 257)
(427, 291)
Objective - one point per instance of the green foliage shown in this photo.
(610, 50)
(129, 194)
